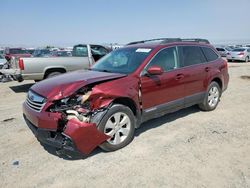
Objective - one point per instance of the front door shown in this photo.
(163, 92)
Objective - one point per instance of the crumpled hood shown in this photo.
(66, 84)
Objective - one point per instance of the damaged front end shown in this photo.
(71, 122)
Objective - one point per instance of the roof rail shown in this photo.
(196, 40)
(168, 40)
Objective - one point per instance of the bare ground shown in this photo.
(189, 148)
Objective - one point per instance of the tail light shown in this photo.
(241, 53)
(21, 64)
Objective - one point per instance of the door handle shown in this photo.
(179, 76)
(207, 69)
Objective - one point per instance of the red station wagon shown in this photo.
(103, 106)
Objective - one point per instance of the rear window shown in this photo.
(239, 50)
(210, 54)
(192, 55)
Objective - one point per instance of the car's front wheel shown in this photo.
(119, 124)
(212, 97)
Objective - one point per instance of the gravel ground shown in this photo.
(189, 148)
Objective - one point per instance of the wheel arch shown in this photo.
(218, 81)
(54, 69)
(126, 102)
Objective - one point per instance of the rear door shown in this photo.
(195, 70)
(163, 92)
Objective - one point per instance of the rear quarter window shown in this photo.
(210, 54)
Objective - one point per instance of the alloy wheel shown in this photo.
(117, 127)
(213, 96)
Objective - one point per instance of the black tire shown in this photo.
(52, 74)
(205, 106)
(117, 108)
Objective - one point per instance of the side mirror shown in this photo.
(155, 70)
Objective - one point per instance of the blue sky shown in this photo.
(66, 22)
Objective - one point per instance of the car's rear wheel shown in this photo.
(52, 74)
(247, 59)
(212, 97)
(119, 124)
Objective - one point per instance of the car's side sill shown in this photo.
(173, 106)
(194, 99)
(162, 109)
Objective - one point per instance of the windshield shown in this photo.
(124, 60)
(239, 50)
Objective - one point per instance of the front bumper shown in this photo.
(52, 138)
(76, 136)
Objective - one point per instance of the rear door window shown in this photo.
(192, 55)
(210, 54)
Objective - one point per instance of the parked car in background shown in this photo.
(61, 53)
(16, 52)
(44, 66)
(103, 106)
(99, 51)
(239, 54)
(223, 51)
(30, 50)
(2, 61)
(1, 51)
(42, 53)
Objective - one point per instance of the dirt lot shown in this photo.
(189, 148)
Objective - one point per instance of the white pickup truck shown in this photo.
(39, 68)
